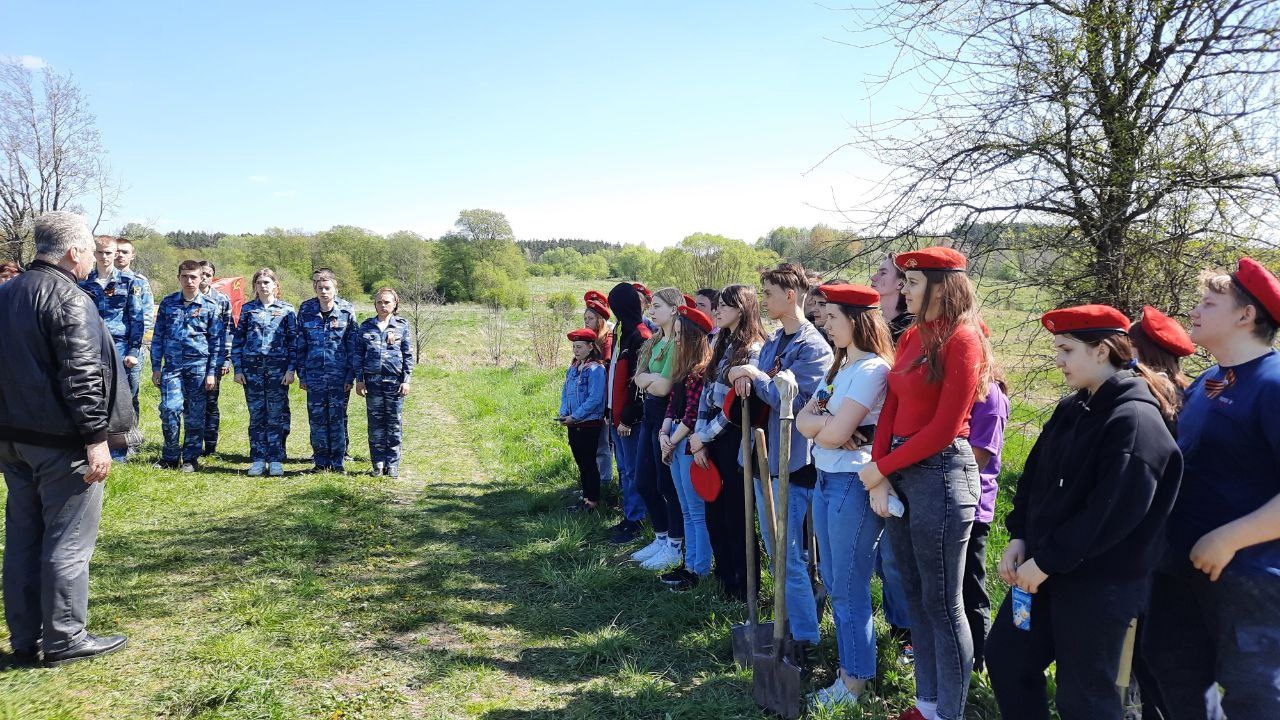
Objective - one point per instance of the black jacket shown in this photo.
(629, 335)
(59, 372)
(1099, 484)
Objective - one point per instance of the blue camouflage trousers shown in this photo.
(383, 402)
(134, 375)
(182, 402)
(212, 416)
(327, 413)
(267, 400)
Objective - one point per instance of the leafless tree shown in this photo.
(1104, 150)
(51, 155)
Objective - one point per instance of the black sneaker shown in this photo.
(626, 531)
(674, 577)
(209, 450)
(688, 582)
(165, 465)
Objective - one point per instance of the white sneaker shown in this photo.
(257, 468)
(648, 551)
(835, 696)
(667, 557)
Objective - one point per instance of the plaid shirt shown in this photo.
(692, 387)
(711, 419)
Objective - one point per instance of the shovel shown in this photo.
(776, 680)
(766, 487)
(819, 590)
(746, 638)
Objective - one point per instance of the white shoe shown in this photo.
(648, 551)
(667, 557)
(835, 696)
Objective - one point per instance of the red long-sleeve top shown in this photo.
(929, 415)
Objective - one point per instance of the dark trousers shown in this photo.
(1199, 635)
(212, 416)
(1153, 707)
(977, 604)
(1080, 624)
(50, 528)
(584, 440)
(652, 475)
(727, 521)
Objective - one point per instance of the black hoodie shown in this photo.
(1099, 484)
(629, 335)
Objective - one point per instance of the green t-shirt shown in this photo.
(662, 358)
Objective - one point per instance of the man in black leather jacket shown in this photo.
(57, 405)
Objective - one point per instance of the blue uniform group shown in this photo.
(187, 346)
(384, 362)
(326, 357)
(262, 350)
(213, 418)
(124, 304)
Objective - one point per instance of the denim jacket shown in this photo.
(582, 397)
(266, 333)
(808, 357)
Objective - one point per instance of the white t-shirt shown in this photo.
(863, 380)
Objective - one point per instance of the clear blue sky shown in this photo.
(627, 122)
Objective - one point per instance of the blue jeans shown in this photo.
(802, 609)
(848, 533)
(626, 449)
(929, 540)
(1198, 635)
(893, 600)
(604, 459)
(697, 541)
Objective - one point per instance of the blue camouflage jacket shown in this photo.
(265, 332)
(325, 348)
(188, 335)
(383, 353)
(121, 305)
(148, 303)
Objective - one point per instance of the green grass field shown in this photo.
(461, 590)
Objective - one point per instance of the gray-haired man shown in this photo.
(59, 399)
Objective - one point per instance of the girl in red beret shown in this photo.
(582, 412)
(921, 447)
(1212, 631)
(596, 319)
(1087, 524)
(846, 528)
(1161, 343)
(692, 355)
(653, 476)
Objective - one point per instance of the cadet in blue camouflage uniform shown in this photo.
(384, 363)
(325, 353)
(124, 263)
(262, 351)
(212, 417)
(186, 355)
(118, 296)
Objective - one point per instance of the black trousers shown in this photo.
(727, 521)
(977, 604)
(1080, 624)
(653, 477)
(583, 442)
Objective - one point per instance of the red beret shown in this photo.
(598, 308)
(596, 296)
(1166, 332)
(640, 288)
(851, 295)
(1085, 318)
(1261, 285)
(583, 335)
(698, 317)
(932, 258)
(688, 300)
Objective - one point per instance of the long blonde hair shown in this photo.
(673, 297)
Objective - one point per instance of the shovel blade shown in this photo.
(776, 686)
(743, 647)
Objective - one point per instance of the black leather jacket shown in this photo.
(58, 371)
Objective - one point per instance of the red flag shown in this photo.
(232, 287)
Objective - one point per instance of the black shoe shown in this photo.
(165, 465)
(209, 450)
(28, 657)
(674, 577)
(91, 647)
(582, 507)
(686, 583)
(627, 531)
(318, 469)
